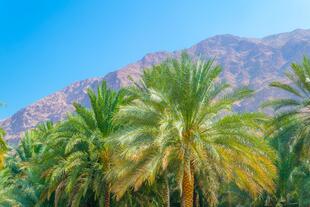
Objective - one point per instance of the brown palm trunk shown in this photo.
(167, 192)
(188, 189)
(195, 199)
(107, 196)
(107, 193)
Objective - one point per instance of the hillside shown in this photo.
(246, 61)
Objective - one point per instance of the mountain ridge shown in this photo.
(246, 61)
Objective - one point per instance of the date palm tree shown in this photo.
(285, 193)
(295, 108)
(3, 148)
(178, 119)
(301, 180)
(21, 182)
(3, 145)
(82, 153)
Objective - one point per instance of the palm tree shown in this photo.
(285, 193)
(20, 181)
(3, 145)
(300, 178)
(3, 148)
(82, 153)
(296, 108)
(179, 120)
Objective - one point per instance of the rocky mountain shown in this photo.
(246, 61)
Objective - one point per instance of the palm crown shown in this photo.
(82, 153)
(178, 120)
(296, 108)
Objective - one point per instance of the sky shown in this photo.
(47, 44)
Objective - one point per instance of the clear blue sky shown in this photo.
(48, 44)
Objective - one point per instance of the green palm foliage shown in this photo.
(296, 108)
(82, 152)
(3, 148)
(286, 194)
(231, 196)
(3, 145)
(179, 119)
(300, 178)
(21, 182)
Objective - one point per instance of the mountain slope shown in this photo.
(246, 61)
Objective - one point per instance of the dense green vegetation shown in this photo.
(171, 139)
(3, 148)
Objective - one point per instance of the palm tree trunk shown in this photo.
(200, 199)
(107, 196)
(188, 189)
(195, 199)
(167, 192)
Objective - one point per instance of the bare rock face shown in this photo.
(54, 107)
(246, 61)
